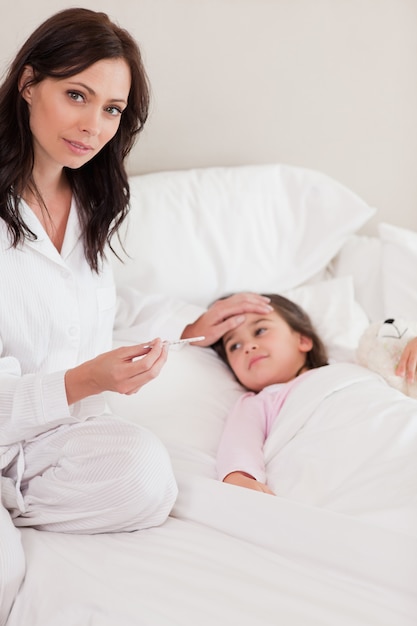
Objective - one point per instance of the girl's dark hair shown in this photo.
(64, 45)
(300, 322)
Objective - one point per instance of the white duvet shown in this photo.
(346, 441)
(337, 546)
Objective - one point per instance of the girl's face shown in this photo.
(265, 350)
(71, 119)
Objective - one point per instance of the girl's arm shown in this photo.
(240, 459)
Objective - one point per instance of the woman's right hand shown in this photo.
(124, 370)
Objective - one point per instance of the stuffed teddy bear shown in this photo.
(380, 348)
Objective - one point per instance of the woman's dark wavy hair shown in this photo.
(64, 45)
(300, 322)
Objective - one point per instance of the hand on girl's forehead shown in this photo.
(251, 321)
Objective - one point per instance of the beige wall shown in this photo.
(325, 84)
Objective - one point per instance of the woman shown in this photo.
(74, 100)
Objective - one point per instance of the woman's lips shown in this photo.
(77, 147)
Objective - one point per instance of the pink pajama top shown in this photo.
(246, 428)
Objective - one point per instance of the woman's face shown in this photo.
(264, 350)
(71, 119)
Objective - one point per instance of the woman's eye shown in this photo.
(77, 97)
(114, 110)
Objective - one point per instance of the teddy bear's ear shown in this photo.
(396, 328)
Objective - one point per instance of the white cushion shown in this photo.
(360, 257)
(203, 233)
(399, 269)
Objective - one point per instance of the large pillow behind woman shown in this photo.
(199, 234)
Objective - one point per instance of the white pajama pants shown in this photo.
(101, 475)
(12, 564)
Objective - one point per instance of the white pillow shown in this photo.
(360, 257)
(336, 315)
(187, 404)
(399, 269)
(203, 233)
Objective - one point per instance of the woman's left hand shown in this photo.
(225, 315)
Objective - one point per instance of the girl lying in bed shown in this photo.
(269, 355)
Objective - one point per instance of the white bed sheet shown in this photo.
(196, 569)
(233, 556)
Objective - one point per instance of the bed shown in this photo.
(338, 544)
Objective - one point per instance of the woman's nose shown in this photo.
(90, 123)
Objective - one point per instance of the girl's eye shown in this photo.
(113, 110)
(234, 346)
(259, 331)
(77, 97)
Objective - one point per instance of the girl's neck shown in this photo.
(301, 370)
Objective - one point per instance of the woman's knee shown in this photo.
(109, 476)
(130, 476)
(147, 482)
